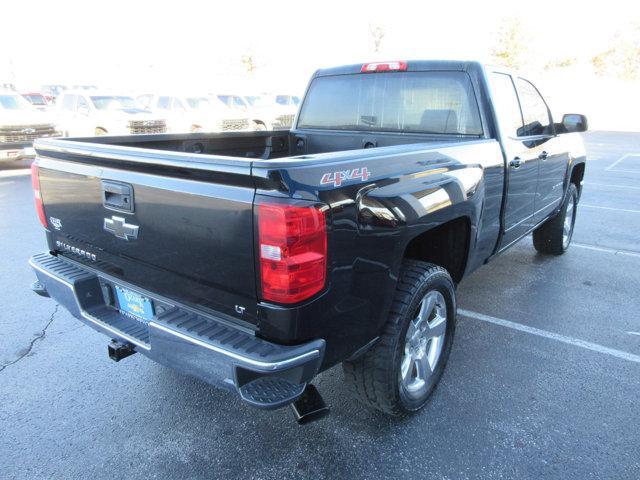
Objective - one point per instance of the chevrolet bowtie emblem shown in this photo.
(120, 228)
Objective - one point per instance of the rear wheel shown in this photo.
(554, 236)
(400, 372)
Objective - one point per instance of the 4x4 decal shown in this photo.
(338, 178)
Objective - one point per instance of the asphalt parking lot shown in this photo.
(543, 380)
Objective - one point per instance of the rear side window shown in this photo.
(536, 116)
(416, 102)
(506, 103)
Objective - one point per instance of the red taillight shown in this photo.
(35, 183)
(384, 67)
(293, 251)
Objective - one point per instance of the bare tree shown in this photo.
(622, 59)
(510, 48)
(249, 62)
(377, 34)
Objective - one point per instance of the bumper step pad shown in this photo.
(270, 392)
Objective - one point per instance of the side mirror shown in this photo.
(574, 122)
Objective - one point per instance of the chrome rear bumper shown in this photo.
(265, 374)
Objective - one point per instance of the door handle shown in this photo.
(515, 163)
(543, 155)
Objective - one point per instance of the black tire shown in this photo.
(375, 376)
(550, 237)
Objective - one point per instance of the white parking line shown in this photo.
(598, 248)
(625, 156)
(576, 342)
(609, 185)
(610, 208)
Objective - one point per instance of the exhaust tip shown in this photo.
(310, 406)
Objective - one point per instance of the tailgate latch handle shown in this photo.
(117, 196)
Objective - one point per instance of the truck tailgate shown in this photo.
(194, 237)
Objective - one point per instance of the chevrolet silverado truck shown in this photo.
(20, 125)
(195, 113)
(92, 112)
(256, 260)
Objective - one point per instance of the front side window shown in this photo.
(537, 120)
(412, 102)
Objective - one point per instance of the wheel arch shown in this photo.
(446, 245)
(577, 175)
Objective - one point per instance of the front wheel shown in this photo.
(554, 236)
(400, 372)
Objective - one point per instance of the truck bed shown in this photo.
(254, 145)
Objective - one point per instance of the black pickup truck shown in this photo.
(256, 260)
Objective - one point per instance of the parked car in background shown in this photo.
(262, 110)
(288, 100)
(196, 113)
(37, 100)
(51, 92)
(89, 112)
(20, 125)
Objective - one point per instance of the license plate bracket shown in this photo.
(134, 304)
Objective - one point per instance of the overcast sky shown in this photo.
(136, 43)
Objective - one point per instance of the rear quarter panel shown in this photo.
(408, 190)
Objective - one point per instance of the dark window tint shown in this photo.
(534, 110)
(68, 102)
(419, 102)
(506, 104)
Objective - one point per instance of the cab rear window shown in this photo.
(413, 102)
